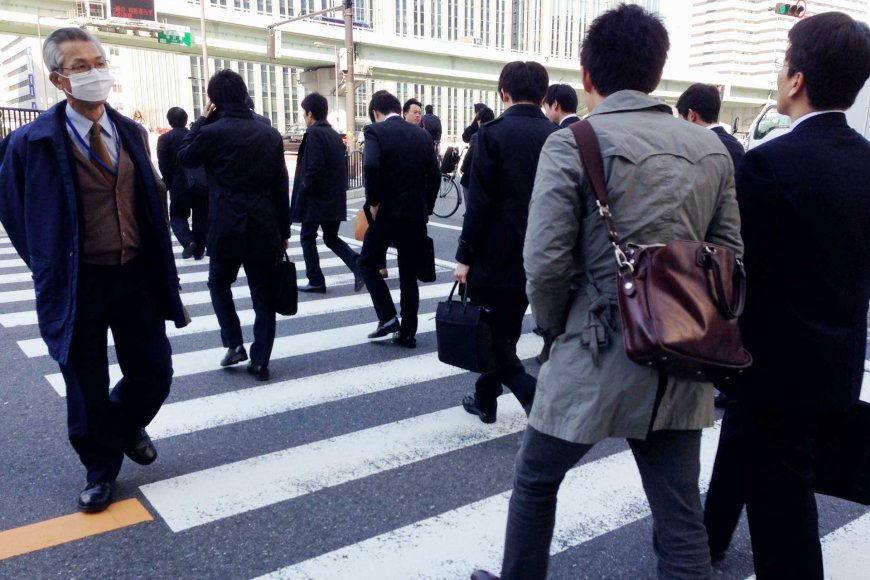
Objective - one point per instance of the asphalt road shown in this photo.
(354, 461)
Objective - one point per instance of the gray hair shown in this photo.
(51, 48)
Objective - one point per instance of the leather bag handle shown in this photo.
(739, 288)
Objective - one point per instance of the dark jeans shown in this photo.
(669, 465)
(408, 238)
(180, 209)
(506, 323)
(771, 464)
(308, 241)
(100, 422)
(260, 269)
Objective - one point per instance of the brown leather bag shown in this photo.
(678, 314)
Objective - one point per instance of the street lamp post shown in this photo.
(337, 70)
(204, 41)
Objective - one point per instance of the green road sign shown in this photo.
(174, 38)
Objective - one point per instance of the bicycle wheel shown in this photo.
(447, 201)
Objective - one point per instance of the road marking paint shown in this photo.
(446, 226)
(9, 250)
(845, 550)
(595, 498)
(71, 527)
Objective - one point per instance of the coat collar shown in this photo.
(829, 119)
(624, 101)
(523, 110)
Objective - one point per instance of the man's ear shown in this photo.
(798, 84)
(587, 80)
(54, 78)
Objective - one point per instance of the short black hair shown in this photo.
(429, 109)
(485, 115)
(524, 81)
(833, 52)
(226, 86)
(478, 107)
(316, 104)
(177, 117)
(384, 103)
(703, 99)
(625, 49)
(412, 101)
(565, 95)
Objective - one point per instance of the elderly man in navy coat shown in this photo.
(83, 208)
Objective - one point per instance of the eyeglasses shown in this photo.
(81, 68)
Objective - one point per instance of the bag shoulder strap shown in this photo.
(593, 166)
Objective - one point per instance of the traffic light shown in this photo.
(787, 9)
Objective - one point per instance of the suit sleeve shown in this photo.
(12, 168)
(481, 199)
(433, 180)
(757, 196)
(281, 191)
(372, 167)
(165, 160)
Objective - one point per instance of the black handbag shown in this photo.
(426, 264)
(842, 454)
(463, 335)
(284, 299)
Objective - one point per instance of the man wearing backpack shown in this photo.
(188, 188)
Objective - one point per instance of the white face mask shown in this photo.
(93, 86)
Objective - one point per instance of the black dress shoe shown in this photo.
(313, 289)
(358, 282)
(404, 340)
(721, 400)
(234, 356)
(260, 373)
(95, 497)
(385, 328)
(141, 449)
(189, 250)
(483, 575)
(469, 403)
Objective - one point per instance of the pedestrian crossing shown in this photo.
(315, 429)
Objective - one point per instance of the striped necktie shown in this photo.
(99, 148)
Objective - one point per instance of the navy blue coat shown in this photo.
(39, 209)
(805, 213)
(735, 149)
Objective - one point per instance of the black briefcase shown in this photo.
(284, 298)
(463, 335)
(842, 454)
(426, 265)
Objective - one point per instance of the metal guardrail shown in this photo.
(11, 119)
(354, 161)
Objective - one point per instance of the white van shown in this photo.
(769, 124)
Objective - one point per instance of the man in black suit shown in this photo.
(805, 207)
(188, 188)
(700, 104)
(402, 180)
(490, 253)
(560, 105)
(432, 124)
(319, 197)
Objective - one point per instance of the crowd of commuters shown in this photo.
(797, 213)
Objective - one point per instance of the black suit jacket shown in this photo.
(401, 170)
(167, 154)
(503, 170)
(734, 147)
(805, 209)
(568, 121)
(320, 184)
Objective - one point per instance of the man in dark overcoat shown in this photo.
(319, 197)
(85, 211)
(249, 218)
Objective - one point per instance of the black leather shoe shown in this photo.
(189, 250)
(95, 497)
(358, 283)
(311, 288)
(404, 340)
(469, 403)
(234, 356)
(483, 575)
(141, 449)
(260, 373)
(385, 328)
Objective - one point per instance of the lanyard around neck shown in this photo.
(93, 153)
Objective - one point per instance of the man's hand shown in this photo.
(373, 209)
(209, 109)
(461, 272)
(286, 244)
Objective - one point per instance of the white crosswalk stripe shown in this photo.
(600, 497)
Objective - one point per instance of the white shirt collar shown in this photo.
(714, 125)
(800, 120)
(391, 115)
(83, 124)
(566, 117)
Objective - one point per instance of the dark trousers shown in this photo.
(260, 270)
(669, 465)
(181, 208)
(408, 238)
(101, 423)
(771, 465)
(308, 241)
(506, 323)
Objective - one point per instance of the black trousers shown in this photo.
(767, 458)
(308, 241)
(181, 208)
(408, 238)
(726, 496)
(506, 323)
(100, 422)
(260, 270)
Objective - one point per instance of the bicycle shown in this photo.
(449, 196)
